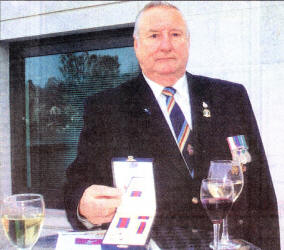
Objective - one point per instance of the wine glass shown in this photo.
(22, 218)
(216, 196)
(228, 170)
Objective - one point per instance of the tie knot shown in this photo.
(169, 91)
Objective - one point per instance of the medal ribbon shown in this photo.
(136, 194)
(123, 222)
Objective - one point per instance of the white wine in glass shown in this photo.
(22, 219)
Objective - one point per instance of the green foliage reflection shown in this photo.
(57, 108)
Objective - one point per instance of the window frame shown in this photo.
(103, 39)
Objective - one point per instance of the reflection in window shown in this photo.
(56, 87)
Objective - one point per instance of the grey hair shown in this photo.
(150, 5)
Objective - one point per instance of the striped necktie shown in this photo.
(179, 123)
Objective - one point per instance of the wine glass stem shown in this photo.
(216, 228)
(225, 234)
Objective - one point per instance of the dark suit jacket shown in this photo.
(128, 121)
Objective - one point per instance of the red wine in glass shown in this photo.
(216, 196)
(217, 208)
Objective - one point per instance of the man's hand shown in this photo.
(98, 203)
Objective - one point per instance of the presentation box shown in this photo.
(133, 220)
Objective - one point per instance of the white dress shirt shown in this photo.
(181, 97)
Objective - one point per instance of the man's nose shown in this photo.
(166, 43)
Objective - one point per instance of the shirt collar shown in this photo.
(180, 86)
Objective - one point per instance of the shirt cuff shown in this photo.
(85, 222)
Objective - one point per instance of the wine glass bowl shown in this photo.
(22, 219)
(228, 170)
(216, 196)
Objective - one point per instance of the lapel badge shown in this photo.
(147, 111)
(206, 111)
(190, 149)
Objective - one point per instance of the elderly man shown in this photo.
(133, 119)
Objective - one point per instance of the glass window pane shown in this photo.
(56, 86)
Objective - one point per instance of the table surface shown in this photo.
(165, 238)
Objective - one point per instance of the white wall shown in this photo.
(24, 19)
(239, 41)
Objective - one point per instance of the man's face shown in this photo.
(163, 45)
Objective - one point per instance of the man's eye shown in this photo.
(154, 35)
(176, 34)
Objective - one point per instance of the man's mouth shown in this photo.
(165, 58)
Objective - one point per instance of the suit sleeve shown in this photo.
(88, 168)
(262, 204)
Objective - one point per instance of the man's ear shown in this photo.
(135, 43)
(188, 40)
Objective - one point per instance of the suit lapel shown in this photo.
(201, 125)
